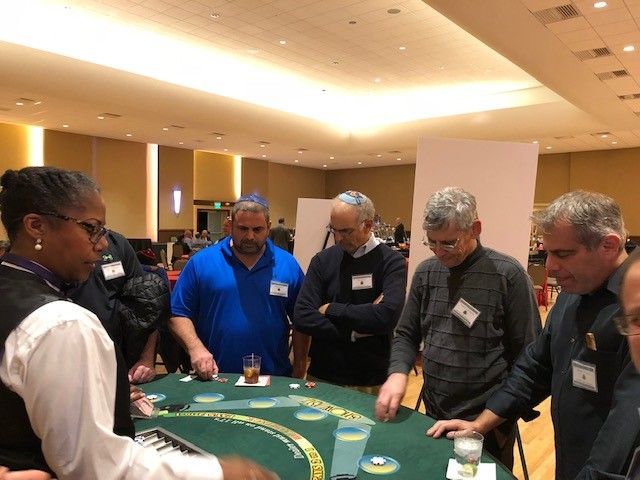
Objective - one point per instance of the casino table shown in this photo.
(326, 432)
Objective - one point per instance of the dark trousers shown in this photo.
(503, 454)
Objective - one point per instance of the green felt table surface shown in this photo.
(301, 433)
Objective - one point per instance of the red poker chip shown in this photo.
(310, 384)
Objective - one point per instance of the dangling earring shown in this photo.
(38, 245)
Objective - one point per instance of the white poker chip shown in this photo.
(294, 385)
(378, 460)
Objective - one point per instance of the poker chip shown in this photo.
(310, 384)
(220, 379)
(378, 461)
(294, 385)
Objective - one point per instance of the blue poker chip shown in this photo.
(156, 397)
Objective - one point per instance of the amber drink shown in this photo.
(251, 367)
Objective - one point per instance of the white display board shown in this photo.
(502, 177)
(311, 229)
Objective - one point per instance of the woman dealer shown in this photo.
(64, 393)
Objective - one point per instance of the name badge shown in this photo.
(362, 282)
(279, 289)
(465, 312)
(112, 270)
(584, 375)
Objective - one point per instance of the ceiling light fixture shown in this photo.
(262, 145)
(403, 48)
(398, 159)
(129, 134)
(359, 163)
(20, 104)
(604, 135)
(283, 42)
(614, 143)
(379, 155)
(218, 138)
(100, 117)
(324, 166)
(535, 141)
(600, 4)
(180, 143)
(226, 149)
(166, 129)
(548, 147)
(629, 48)
(393, 11)
(300, 152)
(214, 15)
(263, 156)
(331, 158)
(377, 80)
(296, 161)
(65, 125)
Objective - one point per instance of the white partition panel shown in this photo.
(311, 229)
(501, 175)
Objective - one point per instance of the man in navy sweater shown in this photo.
(351, 299)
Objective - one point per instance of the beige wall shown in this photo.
(68, 150)
(14, 152)
(553, 177)
(287, 184)
(255, 176)
(175, 170)
(213, 177)
(121, 172)
(390, 188)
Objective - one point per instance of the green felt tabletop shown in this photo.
(318, 433)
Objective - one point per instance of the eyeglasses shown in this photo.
(352, 197)
(95, 231)
(625, 323)
(344, 232)
(447, 245)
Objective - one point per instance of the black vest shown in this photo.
(22, 293)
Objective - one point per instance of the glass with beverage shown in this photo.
(467, 450)
(251, 367)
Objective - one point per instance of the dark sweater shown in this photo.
(335, 356)
(464, 365)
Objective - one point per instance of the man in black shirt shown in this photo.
(351, 299)
(579, 358)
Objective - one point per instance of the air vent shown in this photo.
(217, 134)
(564, 137)
(592, 53)
(110, 115)
(302, 149)
(263, 142)
(601, 134)
(612, 75)
(630, 96)
(181, 127)
(394, 151)
(556, 14)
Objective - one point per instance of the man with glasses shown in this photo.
(351, 299)
(580, 358)
(473, 308)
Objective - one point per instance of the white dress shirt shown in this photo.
(62, 363)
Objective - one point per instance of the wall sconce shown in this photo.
(177, 197)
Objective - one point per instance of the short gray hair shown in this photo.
(592, 215)
(358, 201)
(249, 207)
(450, 206)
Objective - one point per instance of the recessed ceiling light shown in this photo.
(263, 156)
(262, 145)
(331, 158)
(379, 155)
(377, 80)
(300, 152)
(359, 163)
(283, 42)
(599, 4)
(296, 160)
(37, 103)
(100, 117)
(226, 149)
(398, 159)
(535, 141)
(180, 143)
(393, 11)
(402, 48)
(218, 138)
(214, 15)
(129, 134)
(65, 125)
(614, 143)
(166, 129)
(548, 147)
(325, 165)
(19, 104)
(604, 135)
(629, 48)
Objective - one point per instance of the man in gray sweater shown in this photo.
(474, 309)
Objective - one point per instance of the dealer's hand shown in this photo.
(135, 393)
(390, 396)
(203, 363)
(5, 474)
(236, 468)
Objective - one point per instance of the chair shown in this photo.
(178, 250)
(538, 274)
(163, 258)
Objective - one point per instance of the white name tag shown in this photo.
(112, 270)
(584, 375)
(465, 312)
(362, 282)
(279, 289)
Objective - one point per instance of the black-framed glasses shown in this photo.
(352, 197)
(626, 323)
(95, 231)
(447, 245)
(345, 232)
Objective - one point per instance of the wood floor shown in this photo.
(537, 435)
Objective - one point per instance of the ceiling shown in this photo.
(325, 83)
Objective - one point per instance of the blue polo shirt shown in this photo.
(235, 310)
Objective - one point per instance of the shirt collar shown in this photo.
(369, 245)
(21, 263)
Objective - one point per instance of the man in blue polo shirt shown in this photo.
(236, 298)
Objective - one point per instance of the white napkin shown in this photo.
(263, 381)
(486, 471)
